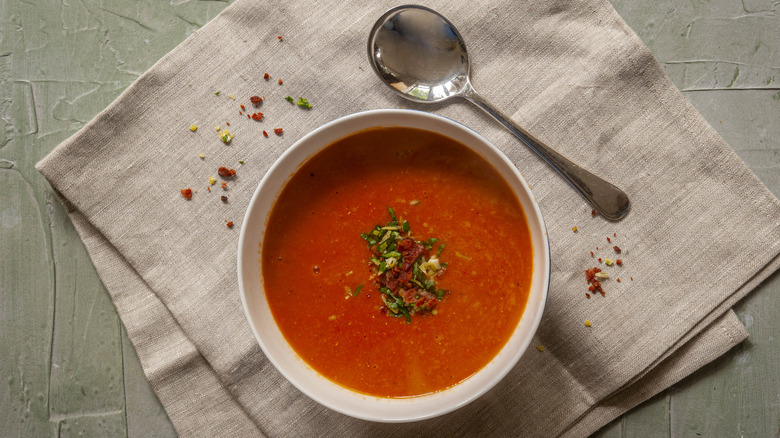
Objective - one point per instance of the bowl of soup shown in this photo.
(393, 265)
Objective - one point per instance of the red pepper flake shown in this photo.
(594, 285)
(599, 259)
(224, 185)
(619, 262)
(631, 278)
(587, 296)
(280, 37)
(266, 76)
(227, 123)
(591, 253)
(614, 234)
(265, 134)
(609, 240)
(597, 247)
(593, 212)
(617, 249)
(242, 106)
(229, 224)
(256, 100)
(257, 116)
(280, 81)
(225, 172)
(618, 280)
(223, 198)
(187, 193)
(278, 131)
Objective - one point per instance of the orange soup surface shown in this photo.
(313, 256)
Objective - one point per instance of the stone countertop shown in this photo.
(68, 367)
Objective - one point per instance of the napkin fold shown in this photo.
(702, 233)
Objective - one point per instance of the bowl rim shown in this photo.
(412, 408)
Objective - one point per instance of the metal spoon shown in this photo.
(420, 55)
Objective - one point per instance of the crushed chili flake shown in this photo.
(618, 279)
(278, 131)
(594, 285)
(256, 100)
(280, 81)
(229, 224)
(280, 37)
(619, 262)
(225, 172)
(599, 259)
(257, 116)
(224, 185)
(223, 198)
(617, 250)
(265, 134)
(591, 253)
(187, 193)
(242, 106)
(266, 76)
(609, 240)
(593, 213)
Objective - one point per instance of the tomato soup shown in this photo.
(313, 259)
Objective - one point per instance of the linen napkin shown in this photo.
(703, 231)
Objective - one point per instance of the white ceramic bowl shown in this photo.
(292, 366)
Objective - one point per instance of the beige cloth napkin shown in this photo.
(702, 233)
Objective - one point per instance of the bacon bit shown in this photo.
(278, 131)
(257, 116)
(280, 81)
(229, 224)
(187, 193)
(225, 172)
(609, 240)
(594, 285)
(619, 262)
(257, 100)
(266, 76)
(265, 134)
(617, 250)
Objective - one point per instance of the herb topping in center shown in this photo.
(405, 271)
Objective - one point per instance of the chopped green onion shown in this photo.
(289, 99)
(441, 248)
(357, 290)
(392, 214)
(303, 103)
(405, 226)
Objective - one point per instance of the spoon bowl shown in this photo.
(421, 56)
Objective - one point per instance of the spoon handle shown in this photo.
(608, 200)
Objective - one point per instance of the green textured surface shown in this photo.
(67, 366)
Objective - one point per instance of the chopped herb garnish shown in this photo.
(357, 290)
(303, 103)
(289, 99)
(406, 273)
(217, 93)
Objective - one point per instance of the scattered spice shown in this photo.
(225, 172)
(609, 240)
(201, 156)
(224, 185)
(226, 136)
(280, 37)
(229, 224)
(224, 198)
(619, 262)
(212, 180)
(278, 131)
(280, 81)
(231, 96)
(608, 262)
(241, 162)
(193, 128)
(594, 285)
(242, 107)
(303, 103)
(618, 279)
(574, 229)
(257, 116)
(256, 100)
(593, 213)
(187, 193)
(265, 134)
(266, 76)
(617, 250)
(587, 323)
(217, 93)
(540, 347)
